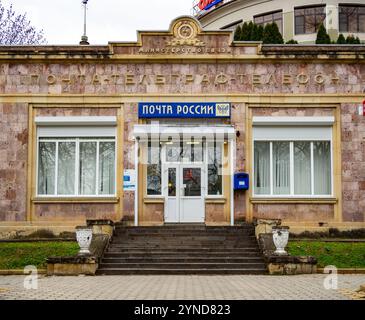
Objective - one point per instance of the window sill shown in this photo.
(328, 200)
(154, 200)
(215, 200)
(76, 200)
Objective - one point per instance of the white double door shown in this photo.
(184, 190)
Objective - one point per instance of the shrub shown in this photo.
(341, 39)
(322, 36)
(237, 33)
(272, 34)
(292, 41)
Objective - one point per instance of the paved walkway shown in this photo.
(180, 287)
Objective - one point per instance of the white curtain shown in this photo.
(46, 168)
(302, 167)
(262, 167)
(87, 168)
(322, 167)
(281, 167)
(106, 168)
(66, 168)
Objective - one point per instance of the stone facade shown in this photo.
(111, 80)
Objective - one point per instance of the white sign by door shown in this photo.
(129, 180)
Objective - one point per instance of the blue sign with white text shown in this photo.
(184, 110)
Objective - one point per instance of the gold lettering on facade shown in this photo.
(96, 79)
(256, 79)
(115, 78)
(183, 79)
(335, 79)
(160, 79)
(205, 79)
(319, 79)
(174, 78)
(68, 79)
(143, 79)
(34, 78)
(189, 78)
(241, 77)
(81, 78)
(271, 79)
(51, 79)
(302, 78)
(287, 79)
(129, 79)
(221, 79)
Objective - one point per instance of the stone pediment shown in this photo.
(184, 37)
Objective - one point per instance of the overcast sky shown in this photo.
(108, 20)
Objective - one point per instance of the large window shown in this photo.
(215, 166)
(76, 166)
(352, 18)
(288, 168)
(154, 179)
(308, 19)
(266, 18)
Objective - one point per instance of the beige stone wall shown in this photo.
(240, 78)
(53, 212)
(13, 161)
(353, 163)
(295, 212)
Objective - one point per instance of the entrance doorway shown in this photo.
(184, 189)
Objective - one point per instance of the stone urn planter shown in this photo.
(83, 237)
(280, 237)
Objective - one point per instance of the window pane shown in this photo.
(173, 152)
(302, 168)
(154, 169)
(197, 153)
(106, 167)
(66, 168)
(172, 182)
(299, 25)
(215, 157)
(343, 23)
(192, 182)
(46, 168)
(322, 167)
(281, 168)
(362, 22)
(262, 167)
(259, 20)
(87, 168)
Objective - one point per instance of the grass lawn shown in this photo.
(339, 254)
(17, 255)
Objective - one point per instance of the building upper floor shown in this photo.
(297, 19)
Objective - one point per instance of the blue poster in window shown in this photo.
(184, 110)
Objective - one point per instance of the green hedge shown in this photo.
(339, 254)
(17, 255)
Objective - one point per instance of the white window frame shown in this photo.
(203, 164)
(292, 129)
(76, 129)
(291, 165)
(207, 195)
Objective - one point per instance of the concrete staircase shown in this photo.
(183, 249)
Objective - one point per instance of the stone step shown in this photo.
(179, 239)
(152, 271)
(186, 259)
(157, 254)
(192, 265)
(183, 249)
(166, 248)
(222, 236)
